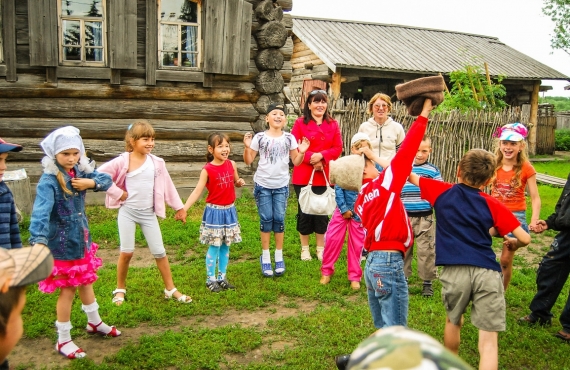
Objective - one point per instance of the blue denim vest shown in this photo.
(58, 219)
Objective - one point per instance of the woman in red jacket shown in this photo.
(326, 144)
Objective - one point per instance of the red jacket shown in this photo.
(325, 139)
(379, 204)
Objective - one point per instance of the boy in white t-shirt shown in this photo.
(271, 188)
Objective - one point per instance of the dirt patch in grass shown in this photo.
(141, 257)
(38, 353)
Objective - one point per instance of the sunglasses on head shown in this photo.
(318, 92)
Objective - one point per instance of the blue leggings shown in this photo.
(215, 254)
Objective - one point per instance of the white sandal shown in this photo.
(320, 251)
(182, 299)
(119, 300)
(305, 254)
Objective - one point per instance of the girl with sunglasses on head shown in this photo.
(325, 139)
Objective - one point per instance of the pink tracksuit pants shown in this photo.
(334, 240)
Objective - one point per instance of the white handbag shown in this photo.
(317, 204)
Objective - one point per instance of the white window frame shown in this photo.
(82, 21)
(179, 51)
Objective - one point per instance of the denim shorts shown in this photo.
(387, 288)
(271, 206)
(521, 216)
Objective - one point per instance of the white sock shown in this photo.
(266, 256)
(92, 312)
(221, 276)
(278, 255)
(63, 331)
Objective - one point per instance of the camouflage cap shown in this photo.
(399, 348)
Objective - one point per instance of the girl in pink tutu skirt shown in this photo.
(59, 221)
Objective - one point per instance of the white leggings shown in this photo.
(128, 219)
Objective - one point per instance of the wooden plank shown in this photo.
(51, 75)
(21, 190)
(92, 73)
(243, 45)
(2, 70)
(115, 77)
(127, 108)
(151, 56)
(183, 76)
(96, 128)
(221, 91)
(42, 24)
(550, 180)
(9, 38)
(122, 16)
(213, 34)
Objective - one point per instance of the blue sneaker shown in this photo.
(279, 265)
(266, 268)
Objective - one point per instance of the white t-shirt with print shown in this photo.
(273, 167)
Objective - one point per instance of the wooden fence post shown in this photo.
(533, 119)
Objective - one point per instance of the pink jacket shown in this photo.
(164, 189)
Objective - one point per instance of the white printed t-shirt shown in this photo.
(273, 167)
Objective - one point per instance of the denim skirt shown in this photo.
(220, 225)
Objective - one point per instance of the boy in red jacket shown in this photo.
(388, 230)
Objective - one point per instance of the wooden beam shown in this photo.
(151, 40)
(336, 83)
(8, 8)
(115, 76)
(533, 120)
(51, 75)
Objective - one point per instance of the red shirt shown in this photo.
(325, 139)
(379, 204)
(220, 185)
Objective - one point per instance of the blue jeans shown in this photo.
(551, 276)
(521, 216)
(387, 288)
(271, 205)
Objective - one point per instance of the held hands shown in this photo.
(82, 184)
(510, 243)
(318, 166)
(124, 196)
(316, 158)
(538, 227)
(240, 182)
(247, 139)
(181, 215)
(346, 215)
(303, 145)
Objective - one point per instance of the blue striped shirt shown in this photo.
(414, 204)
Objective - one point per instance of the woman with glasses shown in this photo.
(326, 144)
(385, 134)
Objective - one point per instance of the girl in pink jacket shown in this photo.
(141, 186)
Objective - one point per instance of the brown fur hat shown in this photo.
(346, 172)
(415, 92)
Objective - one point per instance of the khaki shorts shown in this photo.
(462, 284)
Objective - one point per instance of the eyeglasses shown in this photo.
(378, 106)
(318, 92)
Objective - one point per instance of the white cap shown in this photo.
(359, 136)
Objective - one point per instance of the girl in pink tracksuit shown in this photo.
(344, 219)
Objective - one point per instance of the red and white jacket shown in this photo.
(379, 204)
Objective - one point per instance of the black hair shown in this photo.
(315, 97)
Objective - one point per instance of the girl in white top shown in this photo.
(385, 134)
(271, 179)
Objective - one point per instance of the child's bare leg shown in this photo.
(305, 253)
(86, 294)
(488, 350)
(452, 335)
(122, 271)
(304, 239)
(279, 237)
(320, 245)
(507, 266)
(265, 239)
(164, 268)
(64, 303)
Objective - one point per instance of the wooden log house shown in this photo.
(189, 67)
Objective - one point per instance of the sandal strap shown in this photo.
(169, 293)
(119, 290)
(72, 355)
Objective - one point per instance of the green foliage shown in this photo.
(562, 140)
(559, 13)
(471, 90)
(560, 103)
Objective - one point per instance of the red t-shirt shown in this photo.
(504, 192)
(220, 185)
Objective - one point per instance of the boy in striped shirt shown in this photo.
(420, 213)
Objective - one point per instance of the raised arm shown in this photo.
(248, 153)
(297, 155)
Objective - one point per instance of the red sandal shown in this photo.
(93, 329)
(78, 353)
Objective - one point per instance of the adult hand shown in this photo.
(318, 166)
(315, 158)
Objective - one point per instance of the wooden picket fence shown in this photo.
(452, 133)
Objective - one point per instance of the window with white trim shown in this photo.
(179, 34)
(82, 32)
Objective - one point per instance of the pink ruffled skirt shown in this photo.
(73, 273)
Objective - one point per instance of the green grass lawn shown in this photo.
(558, 168)
(291, 322)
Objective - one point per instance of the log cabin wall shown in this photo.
(227, 92)
(306, 66)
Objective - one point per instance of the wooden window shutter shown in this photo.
(42, 23)
(227, 36)
(122, 18)
(8, 9)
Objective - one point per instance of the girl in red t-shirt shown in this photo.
(512, 174)
(220, 227)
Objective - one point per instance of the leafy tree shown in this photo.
(559, 13)
(471, 89)
(560, 103)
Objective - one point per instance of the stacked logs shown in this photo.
(272, 35)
